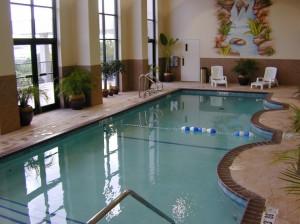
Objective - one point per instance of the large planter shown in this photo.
(104, 93)
(26, 115)
(77, 102)
(168, 77)
(243, 80)
(115, 89)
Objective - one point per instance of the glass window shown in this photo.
(110, 50)
(21, 21)
(151, 32)
(110, 29)
(43, 22)
(35, 47)
(108, 33)
(43, 3)
(20, 1)
(150, 11)
(23, 65)
(109, 7)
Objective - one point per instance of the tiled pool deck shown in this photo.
(244, 171)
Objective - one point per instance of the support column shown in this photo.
(86, 43)
(134, 37)
(9, 112)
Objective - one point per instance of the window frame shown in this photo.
(102, 15)
(33, 42)
(152, 41)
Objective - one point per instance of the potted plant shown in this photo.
(109, 69)
(168, 45)
(75, 87)
(245, 68)
(27, 91)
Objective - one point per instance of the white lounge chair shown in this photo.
(269, 78)
(217, 77)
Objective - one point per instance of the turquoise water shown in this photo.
(72, 178)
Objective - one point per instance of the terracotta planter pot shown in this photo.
(115, 89)
(104, 93)
(243, 81)
(26, 115)
(77, 102)
(168, 77)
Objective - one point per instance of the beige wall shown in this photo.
(7, 66)
(133, 28)
(65, 32)
(284, 19)
(9, 113)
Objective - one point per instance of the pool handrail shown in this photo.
(96, 218)
(153, 80)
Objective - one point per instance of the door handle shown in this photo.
(182, 61)
(186, 47)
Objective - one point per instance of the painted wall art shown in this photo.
(244, 28)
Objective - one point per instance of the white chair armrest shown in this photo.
(259, 79)
(225, 78)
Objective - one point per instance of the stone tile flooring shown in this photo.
(256, 175)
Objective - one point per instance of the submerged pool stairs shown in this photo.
(120, 198)
(16, 212)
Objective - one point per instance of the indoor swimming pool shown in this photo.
(152, 149)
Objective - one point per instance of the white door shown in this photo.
(190, 63)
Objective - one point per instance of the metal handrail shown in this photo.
(120, 198)
(152, 79)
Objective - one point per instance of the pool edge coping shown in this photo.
(255, 203)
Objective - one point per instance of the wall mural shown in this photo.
(244, 28)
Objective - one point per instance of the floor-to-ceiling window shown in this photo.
(108, 22)
(151, 32)
(35, 48)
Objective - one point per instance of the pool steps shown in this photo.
(16, 212)
(96, 218)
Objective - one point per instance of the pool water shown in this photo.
(71, 178)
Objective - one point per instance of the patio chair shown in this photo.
(217, 77)
(269, 78)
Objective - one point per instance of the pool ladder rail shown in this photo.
(153, 80)
(120, 198)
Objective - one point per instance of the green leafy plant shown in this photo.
(245, 67)
(225, 51)
(111, 68)
(270, 51)
(168, 45)
(296, 118)
(266, 34)
(255, 26)
(28, 91)
(292, 158)
(78, 82)
(225, 28)
(298, 92)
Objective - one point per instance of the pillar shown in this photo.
(9, 112)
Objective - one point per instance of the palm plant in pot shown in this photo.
(26, 91)
(168, 44)
(245, 68)
(75, 87)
